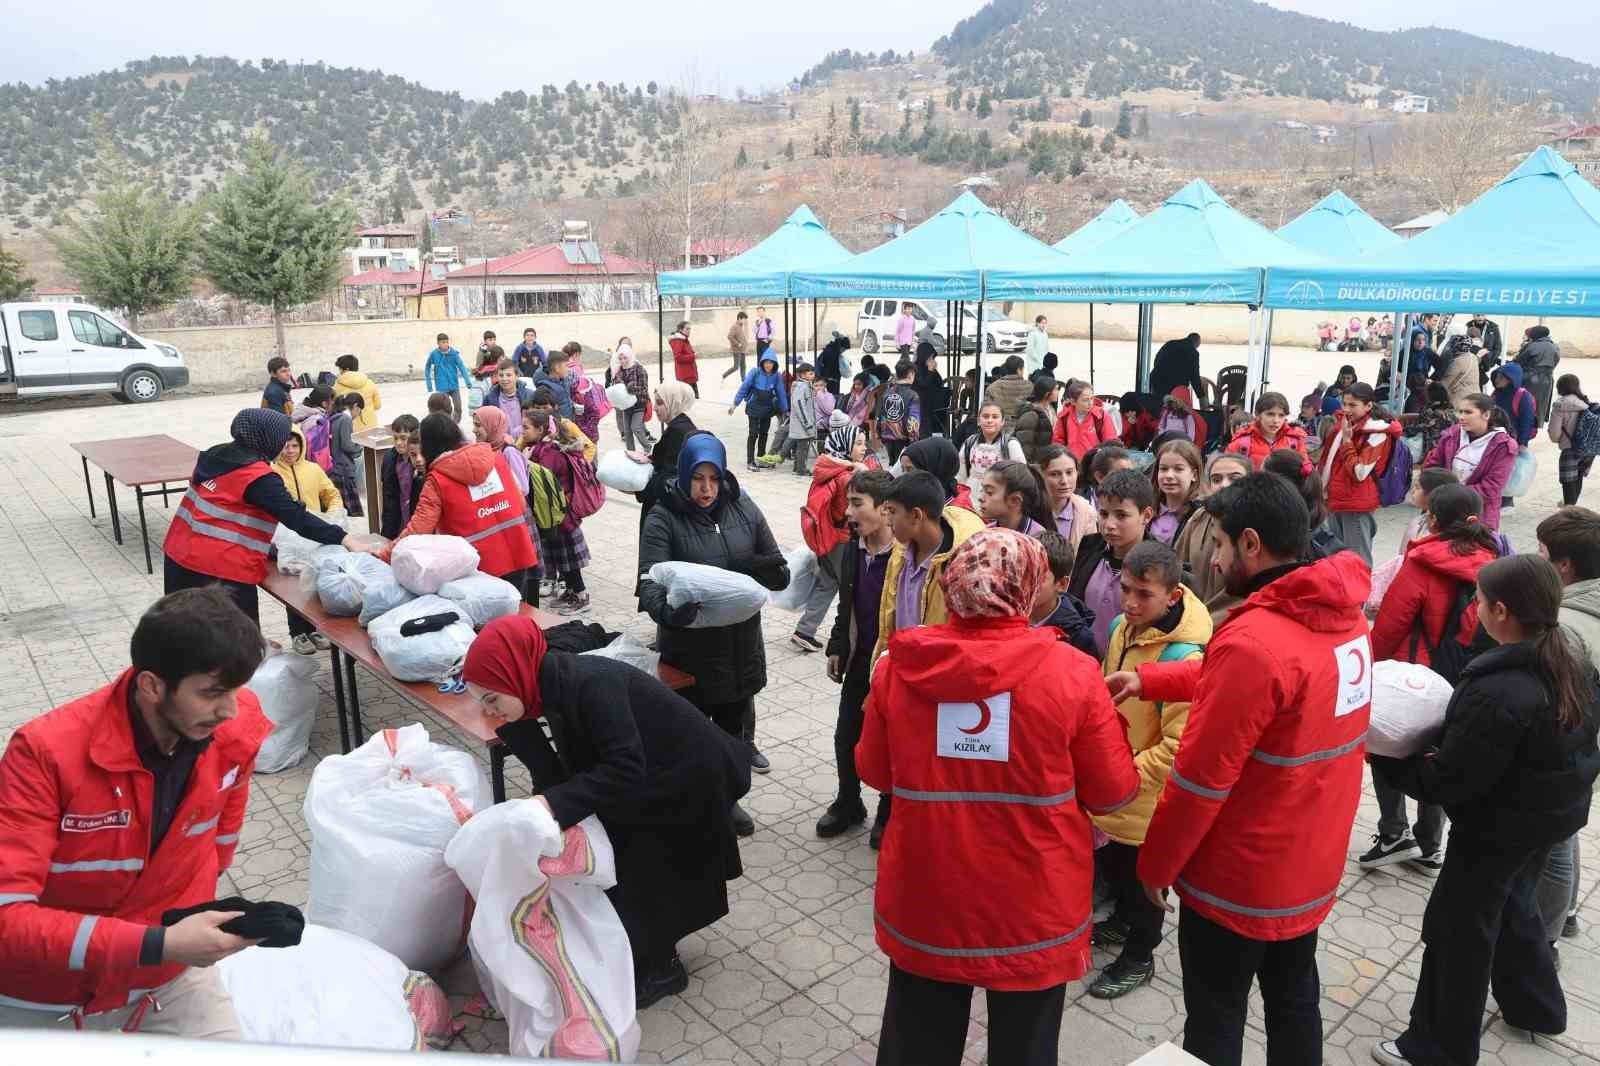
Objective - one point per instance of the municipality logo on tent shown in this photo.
(1219, 292)
(1304, 292)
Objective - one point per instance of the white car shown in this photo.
(875, 326)
(54, 349)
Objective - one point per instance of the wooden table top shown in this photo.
(152, 460)
(459, 708)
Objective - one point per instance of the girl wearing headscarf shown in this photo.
(627, 749)
(1002, 902)
(703, 517)
(932, 396)
(564, 550)
(822, 522)
(632, 423)
(491, 426)
(222, 528)
(938, 457)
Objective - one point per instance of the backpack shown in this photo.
(1394, 484)
(328, 378)
(1004, 444)
(546, 498)
(319, 442)
(894, 416)
(817, 527)
(1449, 657)
(588, 495)
(303, 381)
(1586, 434)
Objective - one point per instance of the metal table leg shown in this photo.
(88, 487)
(497, 771)
(338, 702)
(355, 704)
(111, 505)
(144, 531)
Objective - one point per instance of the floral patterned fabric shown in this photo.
(994, 574)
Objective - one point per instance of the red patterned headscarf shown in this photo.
(995, 573)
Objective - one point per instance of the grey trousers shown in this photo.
(1355, 529)
(827, 587)
(632, 426)
(1557, 893)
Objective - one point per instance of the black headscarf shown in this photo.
(262, 431)
(938, 457)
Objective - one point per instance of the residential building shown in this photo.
(1410, 104)
(388, 247)
(550, 279)
(708, 251)
(59, 296)
(377, 293)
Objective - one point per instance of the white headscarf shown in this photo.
(623, 350)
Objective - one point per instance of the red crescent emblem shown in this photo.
(983, 720)
(1361, 665)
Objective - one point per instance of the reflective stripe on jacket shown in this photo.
(215, 531)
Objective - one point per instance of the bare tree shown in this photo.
(1453, 156)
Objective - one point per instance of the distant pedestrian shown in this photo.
(764, 332)
(347, 453)
(1538, 358)
(905, 330)
(530, 354)
(443, 371)
(738, 345)
(684, 365)
(1038, 347)
(633, 423)
(1574, 464)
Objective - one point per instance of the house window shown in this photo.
(540, 303)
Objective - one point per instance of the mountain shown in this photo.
(1102, 48)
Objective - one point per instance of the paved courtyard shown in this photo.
(792, 975)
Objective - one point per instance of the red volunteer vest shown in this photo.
(214, 531)
(490, 517)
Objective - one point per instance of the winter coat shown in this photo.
(828, 368)
(664, 463)
(958, 524)
(802, 410)
(762, 392)
(1235, 830)
(1081, 436)
(1074, 623)
(560, 388)
(391, 523)
(1176, 365)
(445, 372)
(738, 340)
(1564, 413)
(1350, 469)
(1196, 547)
(1425, 589)
(1253, 444)
(1491, 336)
(637, 378)
(1542, 355)
(521, 395)
(683, 359)
(1154, 728)
(994, 740)
(277, 397)
(1505, 771)
(1034, 428)
(899, 413)
(832, 475)
(1522, 410)
(1459, 377)
(529, 360)
(469, 465)
(371, 402)
(1580, 616)
(1488, 479)
(306, 481)
(1012, 394)
(80, 882)
(728, 662)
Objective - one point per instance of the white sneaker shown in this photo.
(1387, 1052)
(1388, 852)
(303, 645)
(322, 642)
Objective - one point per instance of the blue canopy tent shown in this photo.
(1099, 229)
(762, 271)
(945, 258)
(1336, 228)
(1530, 245)
(1193, 249)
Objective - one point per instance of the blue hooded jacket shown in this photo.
(1517, 402)
(763, 380)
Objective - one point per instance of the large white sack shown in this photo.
(726, 598)
(380, 818)
(381, 597)
(425, 656)
(483, 597)
(342, 582)
(1408, 705)
(625, 649)
(802, 579)
(550, 951)
(286, 685)
(620, 397)
(425, 561)
(617, 471)
(294, 551)
(333, 989)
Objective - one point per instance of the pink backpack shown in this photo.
(319, 442)
(587, 495)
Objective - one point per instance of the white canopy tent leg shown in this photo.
(1254, 360)
(1399, 362)
(1147, 322)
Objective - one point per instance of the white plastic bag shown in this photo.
(286, 685)
(626, 649)
(555, 962)
(1522, 473)
(482, 597)
(381, 597)
(474, 397)
(802, 579)
(380, 818)
(725, 598)
(326, 555)
(333, 989)
(616, 470)
(1408, 705)
(294, 551)
(342, 582)
(620, 397)
(425, 656)
(425, 561)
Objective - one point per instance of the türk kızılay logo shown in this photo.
(978, 730)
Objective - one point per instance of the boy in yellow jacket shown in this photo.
(351, 379)
(307, 483)
(1161, 621)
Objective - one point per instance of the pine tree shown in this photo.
(1124, 121)
(1086, 119)
(985, 107)
(14, 284)
(1143, 129)
(1075, 164)
(855, 119)
(742, 160)
(137, 252)
(1108, 143)
(788, 150)
(268, 241)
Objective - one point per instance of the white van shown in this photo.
(875, 324)
(53, 349)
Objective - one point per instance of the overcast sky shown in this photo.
(485, 47)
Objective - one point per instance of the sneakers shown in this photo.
(1570, 928)
(1108, 933)
(572, 603)
(805, 643)
(758, 761)
(837, 820)
(322, 642)
(304, 645)
(1429, 862)
(743, 824)
(1388, 852)
(1387, 1052)
(768, 461)
(753, 468)
(1122, 977)
(548, 588)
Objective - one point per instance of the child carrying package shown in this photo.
(618, 470)
(286, 685)
(380, 819)
(620, 397)
(1408, 705)
(482, 597)
(726, 598)
(563, 977)
(431, 654)
(425, 561)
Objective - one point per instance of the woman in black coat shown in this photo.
(1514, 770)
(703, 517)
(624, 747)
(932, 396)
(673, 401)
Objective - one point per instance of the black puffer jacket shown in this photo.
(728, 662)
(1505, 769)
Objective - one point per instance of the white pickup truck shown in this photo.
(54, 349)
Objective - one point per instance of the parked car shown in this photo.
(51, 349)
(875, 324)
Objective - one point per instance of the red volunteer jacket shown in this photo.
(993, 738)
(1350, 471)
(214, 531)
(1426, 587)
(78, 883)
(1250, 442)
(479, 501)
(1254, 823)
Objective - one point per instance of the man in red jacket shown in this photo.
(1254, 824)
(119, 806)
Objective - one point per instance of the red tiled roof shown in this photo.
(721, 247)
(548, 260)
(384, 277)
